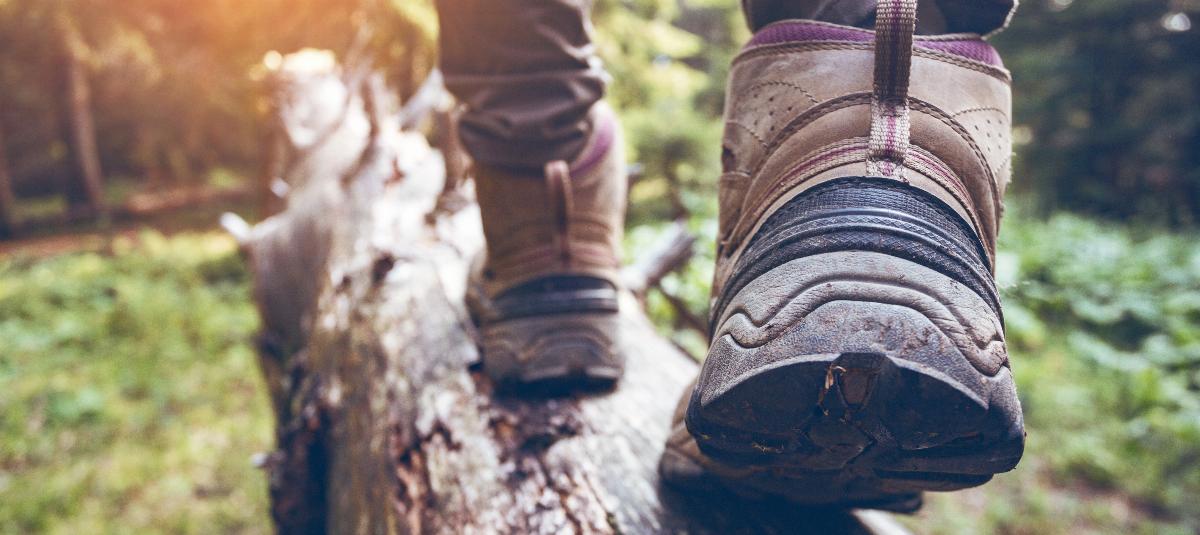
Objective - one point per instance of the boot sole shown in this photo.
(857, 379)
(553, 352)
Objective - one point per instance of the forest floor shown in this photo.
(130, 399)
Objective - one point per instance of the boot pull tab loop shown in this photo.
(558, 188)
(895, 23)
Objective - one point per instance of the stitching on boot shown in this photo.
(785, 83)
(945, 118)
(811, 164)
(808, 116)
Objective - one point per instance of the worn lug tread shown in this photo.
(856, 389)
(840, 449)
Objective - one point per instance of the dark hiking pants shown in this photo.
(528, 74)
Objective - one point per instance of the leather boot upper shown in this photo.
(567, 220)
(808, 103)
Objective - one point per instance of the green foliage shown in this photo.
(1106, 326)
(668, 70)
(669, 61)
(130, 401)
(1107, 107)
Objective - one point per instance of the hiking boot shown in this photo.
(546, 296)
(857, 350)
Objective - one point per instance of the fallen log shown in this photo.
(386, 424)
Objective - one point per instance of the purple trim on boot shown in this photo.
(975, 49)
(800, 31)
(594, 153)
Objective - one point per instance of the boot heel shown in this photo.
(551, 351)
(855, 376)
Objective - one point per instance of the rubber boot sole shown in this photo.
(857, 379)
(553, 352)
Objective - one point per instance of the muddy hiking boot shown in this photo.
(857, 350)
(545, 297)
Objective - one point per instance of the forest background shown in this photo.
(129, 398)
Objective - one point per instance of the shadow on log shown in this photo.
(385, 422)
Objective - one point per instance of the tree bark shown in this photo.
(386, 424)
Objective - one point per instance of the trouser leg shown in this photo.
(528, 75)
(933, 16)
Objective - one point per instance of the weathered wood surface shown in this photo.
(385, 422)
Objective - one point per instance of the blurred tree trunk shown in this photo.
(8, 202)
(85, 189)
(146, 154)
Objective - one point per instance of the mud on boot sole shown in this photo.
(857, 378)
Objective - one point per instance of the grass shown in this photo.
(130, 401)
